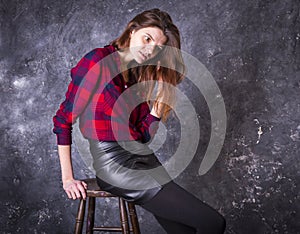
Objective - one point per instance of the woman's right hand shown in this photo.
(75, 188)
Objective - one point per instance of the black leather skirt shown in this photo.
(128, 169)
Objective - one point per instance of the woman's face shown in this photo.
(146, 43)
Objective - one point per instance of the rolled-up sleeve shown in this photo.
(85, 76)
(148, 124)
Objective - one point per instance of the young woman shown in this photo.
(118, 126)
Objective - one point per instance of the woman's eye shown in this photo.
(147, 38)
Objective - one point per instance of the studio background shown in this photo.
(250, 47)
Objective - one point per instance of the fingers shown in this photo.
(73, 194)
(84, 184)
(75, 189)
(82, 190)
(69, 194)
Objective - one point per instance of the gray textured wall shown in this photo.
(250, 47)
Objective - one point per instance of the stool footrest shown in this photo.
(112, 229)
(125, 209)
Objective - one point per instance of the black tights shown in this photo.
(179, 212)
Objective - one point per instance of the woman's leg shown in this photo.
(176, 209)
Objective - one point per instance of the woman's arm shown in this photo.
(154, 111)
(85, 77)
(149, 120)
(73, 188)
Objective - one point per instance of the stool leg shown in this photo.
(90, 216)
(80, 217)
(133, 218)
(123, 216)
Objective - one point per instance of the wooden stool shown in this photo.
(94, 191)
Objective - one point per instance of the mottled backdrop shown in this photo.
(250, 47)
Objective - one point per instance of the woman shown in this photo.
(118, 123)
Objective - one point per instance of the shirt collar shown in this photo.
(116, 55)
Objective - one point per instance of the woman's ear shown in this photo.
(131, 33)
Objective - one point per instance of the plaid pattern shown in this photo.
(96, 95)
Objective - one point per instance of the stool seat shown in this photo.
(93, 191)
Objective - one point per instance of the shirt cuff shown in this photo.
(63, 139)
(151, 118)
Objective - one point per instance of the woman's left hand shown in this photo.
(75, 188)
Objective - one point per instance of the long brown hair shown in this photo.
(172, 70)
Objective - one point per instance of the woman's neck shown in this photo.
(125, 58)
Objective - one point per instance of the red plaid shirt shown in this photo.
(94, 95)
